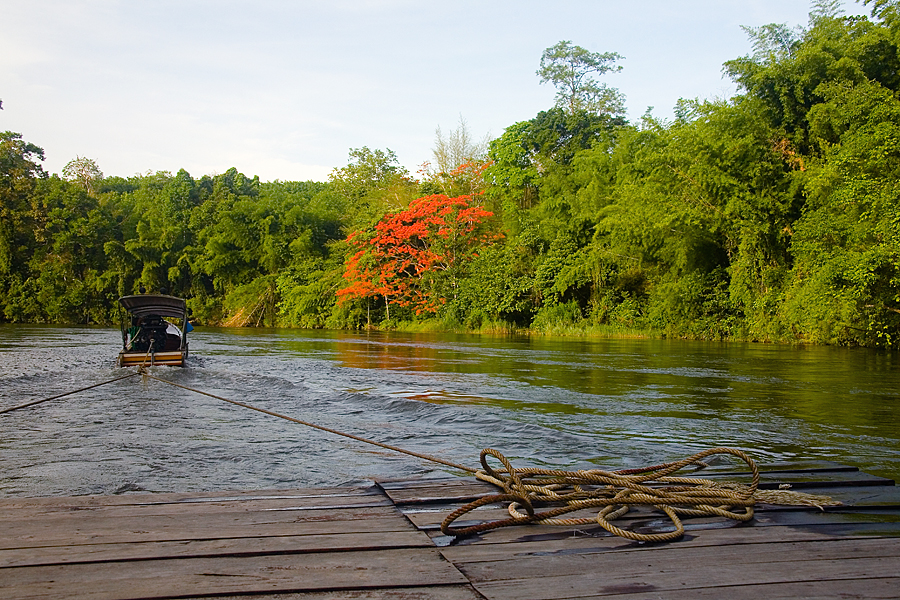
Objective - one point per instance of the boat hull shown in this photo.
(174, 358)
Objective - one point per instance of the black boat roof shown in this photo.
(154, 304)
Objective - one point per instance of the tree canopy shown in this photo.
(772, 215)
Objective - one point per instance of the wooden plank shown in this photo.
(430, 520)
(864, 497)
(804, 479)
(732, 467)
(231, 575)
(575, 542)
(877, 523)
(13, 503)
(671, 568)
(90, 529)
(442, 592)
(410, 484)
(769, 552)
(140, 510)
(336, 542)
(872, 589)
(738, 466)
(462, 491)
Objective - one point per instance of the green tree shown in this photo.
(20, 172)
(845, 286)
(571, 70)
(85, 172)
(372, 184)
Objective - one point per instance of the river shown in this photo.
(567, 403)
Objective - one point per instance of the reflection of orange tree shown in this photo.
(401, 258)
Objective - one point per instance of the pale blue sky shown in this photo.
(283, 89)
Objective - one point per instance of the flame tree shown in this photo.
(413, 257)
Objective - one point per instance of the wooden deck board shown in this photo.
(446, 592)
(384, 542)
(229, 574)
(93, 529)
(659, 574)
(126, 551)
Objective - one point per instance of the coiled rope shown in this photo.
(615, 492)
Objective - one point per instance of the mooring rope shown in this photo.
(614, 491)
(27, 404)
(314, 426)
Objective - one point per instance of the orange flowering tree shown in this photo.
(412, 258)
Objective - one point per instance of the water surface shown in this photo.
(565, 403)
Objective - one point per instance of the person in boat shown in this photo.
(132, 334)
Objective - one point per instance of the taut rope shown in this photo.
(27, 404)
(614, 491)
(314, 426)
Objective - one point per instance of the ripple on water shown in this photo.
(567, 404)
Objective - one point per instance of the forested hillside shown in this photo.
(773, 215)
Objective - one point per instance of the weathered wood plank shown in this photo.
(169, 497)
(231, 575)
(835, 525)
(462, 491)
(337, 542)
(442, 592)
(871, 589)
(141, 510)
(805, 479)
(670, 568)
(737, 466)
(90, 529)
(675, 556)
(430, 520)
(576, 542)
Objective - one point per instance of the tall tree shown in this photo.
(571, 70)
(84, 172)
(20, 170)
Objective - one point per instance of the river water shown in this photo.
(567, 403)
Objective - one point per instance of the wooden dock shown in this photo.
(384, 541)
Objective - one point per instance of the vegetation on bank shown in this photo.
(774, 215)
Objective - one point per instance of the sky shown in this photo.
(284, 89)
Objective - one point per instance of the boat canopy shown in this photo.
(155, 304)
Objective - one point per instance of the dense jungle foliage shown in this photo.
(773, 215)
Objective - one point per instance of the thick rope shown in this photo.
(27, 404)
(314, 426)
(615, 492)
